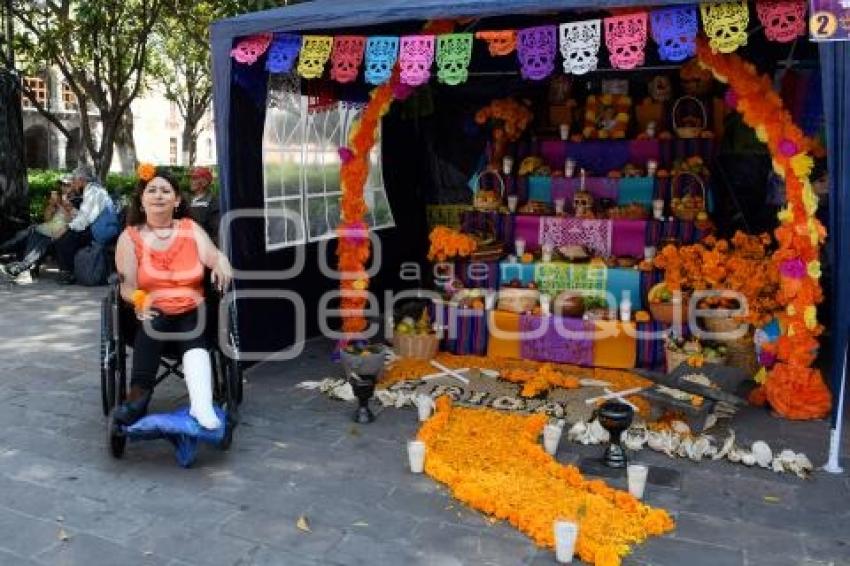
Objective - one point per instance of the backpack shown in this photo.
(91, 266)
(106, 226)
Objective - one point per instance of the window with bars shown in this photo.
(69, 99)
(38, 87)
(301, 167)
(172, 151)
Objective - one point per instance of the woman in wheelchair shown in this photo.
(163, 253)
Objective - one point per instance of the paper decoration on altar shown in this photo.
(381, 55)
(580, 46)
(725, 24)
(536, 52)
(783, 20)
(283, 52)
(675, 31)
(502, 42)
(625, 37)
(415, 56)
(594, 235)
(315, 50)
(250, 48)
(454, 50)
(346, 57)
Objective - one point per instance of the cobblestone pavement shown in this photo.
(64, 500)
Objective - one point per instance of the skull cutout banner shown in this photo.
(315, 50)
(580, 46)
(454, 50)
(381, 55)
(783, 20)
(725, 24)
(250, 48)
(675, 32)
(346, 58)
(283, 52)
(536, 52)
(499, 43)
(625, 37)
(415, 57)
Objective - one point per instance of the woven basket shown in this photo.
(518, 300)
(689, 132)
(417, 346)
(721, 324)
(682, 212)
(487, 200)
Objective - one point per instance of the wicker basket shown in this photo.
(487, 200)
(720, 324)
(688, 132)
(665, 312)
(675, 359)
(417, 346)
(518, 300)
(687, 208)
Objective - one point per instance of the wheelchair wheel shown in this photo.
(116, 440)
(108, 351)
(226, 394)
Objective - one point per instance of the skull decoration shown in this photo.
(315, 50)
(725, 24)
(660, 88)
(346, 58)
(675, 32)
(783, 20)
(499, 42)
(381, 54)
(625, 37)
(583, 204)
(250, 48)
(453, 53)
(416, 56)
(536, 51)
(283, 52)
(580, 46)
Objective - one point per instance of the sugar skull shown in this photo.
(725, 24)
(580, 46)
(453, 53)
(346, 58)
(583, 204)
(625, 37)
(250, 48)
(415, 56)
(783, 20)
(381, 55)
(315, 50)
(283, 52)
(536, 51)
(499, 42)
(675, 31)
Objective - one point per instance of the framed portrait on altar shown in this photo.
(606, 116)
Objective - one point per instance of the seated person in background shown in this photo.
(36, 239)
(203, 206)
(161, 257)
(95, 200)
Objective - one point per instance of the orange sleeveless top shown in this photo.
(173, 276)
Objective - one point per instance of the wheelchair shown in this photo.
(118, 327)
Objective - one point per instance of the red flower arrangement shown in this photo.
(793, 388)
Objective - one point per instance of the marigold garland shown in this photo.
(792, 388)
(495, 463)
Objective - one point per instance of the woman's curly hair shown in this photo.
(135, 214)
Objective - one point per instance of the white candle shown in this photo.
(551, 438)
(519, 246)
(565, 132)
(547, 252)
(569, 167)
(658, 209)
(513, 200)
(566, 533)
(545, 304)
(559, 205)
(651, 168)
(649, 252)
(636, 474)
(416, 456)
(507, 164)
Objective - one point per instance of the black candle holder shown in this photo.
(362, 368)
(615, 417)
(364, 388)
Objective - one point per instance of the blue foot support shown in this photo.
(179, 428)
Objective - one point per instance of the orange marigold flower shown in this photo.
(146, 171)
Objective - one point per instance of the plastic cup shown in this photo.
(649, 252)
(546, 252)
(566, 533)
(545, 304)
(551, 438)
(658, 209)
(416, 456)
(560, 204)
(636, 474)
(424, 406)
(565, 131)
(513, 201)
(651, 168)
(569, 168)
(519, 246)
(507, 164)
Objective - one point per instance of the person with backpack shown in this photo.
(96, 220)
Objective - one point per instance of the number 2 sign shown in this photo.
(830, 20)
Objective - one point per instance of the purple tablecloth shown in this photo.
(599, 157)
(552, 346)
(629, 238)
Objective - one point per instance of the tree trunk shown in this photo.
(125, 143)
(14, 202)
(190, 144)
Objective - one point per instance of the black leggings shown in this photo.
(147, 350)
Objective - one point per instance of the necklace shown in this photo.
(157, 235)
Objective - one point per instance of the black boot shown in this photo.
(134, 408)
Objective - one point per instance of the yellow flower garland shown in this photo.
(494, 463)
